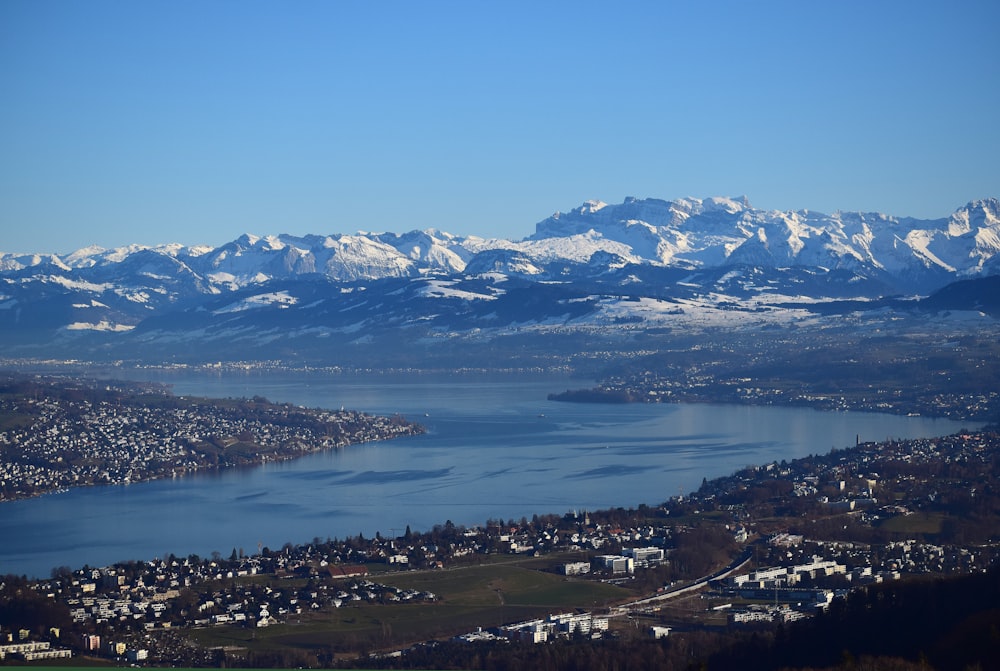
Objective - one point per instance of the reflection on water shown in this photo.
(495, 448)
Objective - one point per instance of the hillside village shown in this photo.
(771, 543)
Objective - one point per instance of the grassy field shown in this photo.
(467, 598)
(916, 523)
(508, 585)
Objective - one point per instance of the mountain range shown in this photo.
(641, 264)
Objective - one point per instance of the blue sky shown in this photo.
(152, 122)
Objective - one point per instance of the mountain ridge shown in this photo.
(688, 231)
(644, 263)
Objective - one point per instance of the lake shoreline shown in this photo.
(493, 449)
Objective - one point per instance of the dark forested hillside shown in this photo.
(942, 623)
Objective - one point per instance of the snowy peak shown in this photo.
(727, 205)
(688, 263)
(503, 261)
(431, 249)
(355, 257)
(719, 231)
(16, 262)
(689, 233)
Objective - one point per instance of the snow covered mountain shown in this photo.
(644, 261)
(687, 233)
(723, 231)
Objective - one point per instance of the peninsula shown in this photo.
(57, 433)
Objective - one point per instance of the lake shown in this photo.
(495, 448)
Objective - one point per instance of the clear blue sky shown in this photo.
(171, 121)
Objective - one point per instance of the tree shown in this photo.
(61, 572)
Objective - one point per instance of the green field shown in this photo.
(916, 523)
(470, 597)
(508, 585)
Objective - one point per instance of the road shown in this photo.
(646, 602)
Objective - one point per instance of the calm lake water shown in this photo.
(496, 448)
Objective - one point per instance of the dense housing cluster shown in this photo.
(53, 438)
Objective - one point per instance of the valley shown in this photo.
(849, 525)
(703, 333)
